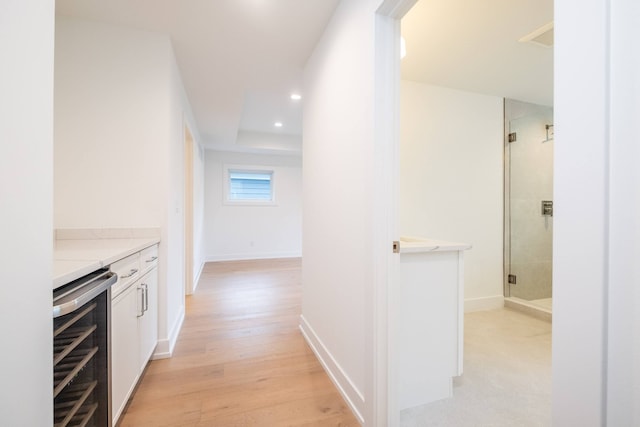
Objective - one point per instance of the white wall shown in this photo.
(253, 232)
(179, 116)
(451, 179)
(580, 181)
(596, 327)
(26, 157)
(110, 148)
(339, 149)
(623, 334)
(119, 115)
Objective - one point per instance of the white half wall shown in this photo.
(451, 179)
(26, 159)
(235, 232)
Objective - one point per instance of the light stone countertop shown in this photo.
(410, 244)
(76, 257)
(65, 271)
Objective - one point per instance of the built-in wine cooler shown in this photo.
(81, 361)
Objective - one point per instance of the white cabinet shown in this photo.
(125, 368)
(428, 321)
(147, 292)
(148, 303)
(134, 323)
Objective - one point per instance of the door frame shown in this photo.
(382, 409)
(189, 286)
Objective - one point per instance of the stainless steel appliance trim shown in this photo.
(72, 287)
(83, 293)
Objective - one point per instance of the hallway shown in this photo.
(240, 359)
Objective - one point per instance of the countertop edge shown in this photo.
(419, 245)
(426, 249)
(131, 250)
(89, 264)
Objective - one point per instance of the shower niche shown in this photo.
(528, 206)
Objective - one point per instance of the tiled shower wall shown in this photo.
(529, 181)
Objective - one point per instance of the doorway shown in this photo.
(454, 118)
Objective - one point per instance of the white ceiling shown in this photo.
(241, 59)
(473, 45)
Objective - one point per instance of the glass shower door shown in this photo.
(530, 205)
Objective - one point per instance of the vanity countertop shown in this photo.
(409, 244)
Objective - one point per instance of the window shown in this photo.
(249, 186)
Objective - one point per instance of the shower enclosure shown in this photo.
(528, 206)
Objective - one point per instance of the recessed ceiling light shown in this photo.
(278, 124)
(296, 96)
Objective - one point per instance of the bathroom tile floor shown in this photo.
(506, 380)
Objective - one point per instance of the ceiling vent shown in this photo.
(543, 36)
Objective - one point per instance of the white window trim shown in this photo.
(247, 168)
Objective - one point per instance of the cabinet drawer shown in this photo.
(128, 270)
(149, 258)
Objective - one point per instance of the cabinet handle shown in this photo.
(152, 259)
(146, 297)
(132, 272)
(141, 313)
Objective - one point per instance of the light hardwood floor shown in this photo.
(240, 359)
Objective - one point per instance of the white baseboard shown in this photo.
(250, 256)
(164, 348)
(345, 386)
(525, 306)
(483, 303)
(196, 279)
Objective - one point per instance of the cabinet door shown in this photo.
(148, 322)
(124, 349)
